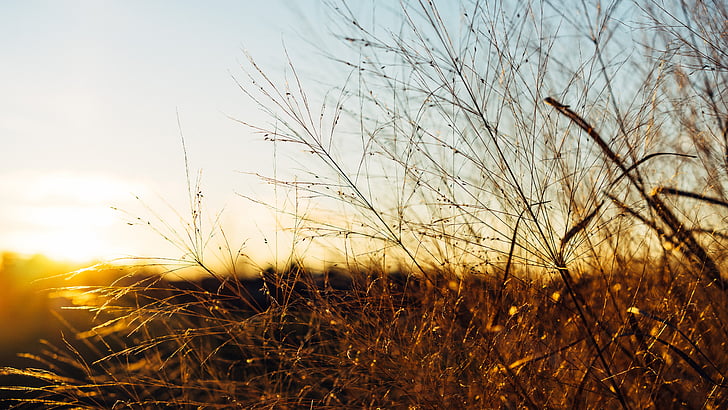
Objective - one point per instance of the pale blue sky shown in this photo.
(88, 115)
(90, 92)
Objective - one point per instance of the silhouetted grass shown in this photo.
(550, 187)
(369, 339)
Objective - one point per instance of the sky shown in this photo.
(96, 95)
(91, 96)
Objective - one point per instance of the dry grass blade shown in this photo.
(694, 195)
(693, 248)
(580, 226)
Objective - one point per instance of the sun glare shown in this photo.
(67, 236)
(63, 216)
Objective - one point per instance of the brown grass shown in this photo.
(375, 340)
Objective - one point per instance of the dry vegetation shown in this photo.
(549, 185)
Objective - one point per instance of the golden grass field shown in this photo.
(525, 205)
(369, 339)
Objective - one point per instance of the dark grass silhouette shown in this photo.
(294, 340)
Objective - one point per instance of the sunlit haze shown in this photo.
(91, 146)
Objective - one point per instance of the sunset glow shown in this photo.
(97, 96)
(63, 216)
